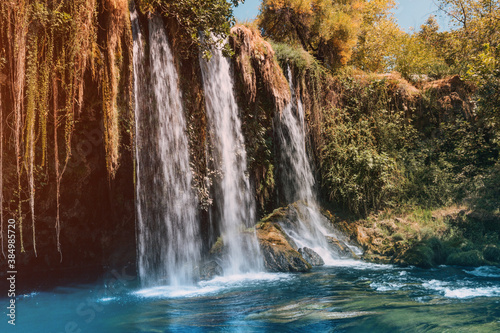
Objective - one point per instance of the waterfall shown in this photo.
(297, 182)
(167, 223)
(295, 170)
(235, 208)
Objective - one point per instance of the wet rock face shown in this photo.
(209, 270)
(340, 248)
(311, 256)
(277, 252)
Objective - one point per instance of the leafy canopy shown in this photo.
(328, 29)
(212, 18)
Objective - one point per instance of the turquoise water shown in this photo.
(353, 297)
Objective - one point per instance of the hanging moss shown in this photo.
(49, 48)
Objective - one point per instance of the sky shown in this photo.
(409, 13)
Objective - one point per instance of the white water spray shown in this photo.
(168, 227)
(235, 205)
(312, 230)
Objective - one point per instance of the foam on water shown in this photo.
(214, 286)
(387, 286)
(358, 264)
(176, 292)
(32, 294)
(243, 279)
(472, 292)
(485, 271)
(107, 299)
(462, 289)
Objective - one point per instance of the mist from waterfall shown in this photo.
(298, 181)
(168, 232)
(235, 207)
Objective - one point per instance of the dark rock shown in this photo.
(209, 270)
(491, 253)
(277, 252)
(311, 256)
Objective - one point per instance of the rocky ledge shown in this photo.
(277, 250)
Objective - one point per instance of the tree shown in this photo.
(477, 23)
(213, 18)
(328, 29)
(378, 35)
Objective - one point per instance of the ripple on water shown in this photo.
(305, 310)
(485, 271)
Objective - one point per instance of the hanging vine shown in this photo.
(48, 46)
(116, 30)
(1, 165)
(29, 150)
(17, 26)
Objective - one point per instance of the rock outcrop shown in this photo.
(210, 269)
(340, 248)
(311, 256)
(277, 252)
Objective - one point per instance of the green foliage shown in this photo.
(413, 56)
(420, 255)
(295, 55)
(468, 258)
(485, 193)
(359, 158)
(327, 29)
(205, 24)
(378, 36)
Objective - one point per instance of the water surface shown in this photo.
(351, 297)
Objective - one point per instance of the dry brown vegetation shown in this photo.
(255, 59)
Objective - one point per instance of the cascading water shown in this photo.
(168, 227)
(235, 206)
(297, 182)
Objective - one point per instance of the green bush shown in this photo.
(472, 258)
(360, 162)
(420, 255)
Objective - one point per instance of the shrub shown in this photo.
(468, 258)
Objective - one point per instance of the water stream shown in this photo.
(312, 230)
(168, 227)
(235, 205)
(356, 297)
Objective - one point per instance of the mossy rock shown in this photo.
(428, 253)
(472, 258)
(420, 255)
(218, 247)
(278, 254)
(275, 216)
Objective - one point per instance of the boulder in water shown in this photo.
(277, 252)
(209, 270)
(311, 256)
